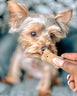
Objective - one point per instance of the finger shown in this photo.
(71, 61)
(75, 78)
(71, 84)
(75, 90)
(71, 56)
(70, 77)
(71, 81)
(65, 65)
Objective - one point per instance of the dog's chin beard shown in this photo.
(34, 55)
(32, 52)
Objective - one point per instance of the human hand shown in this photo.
(69, 65)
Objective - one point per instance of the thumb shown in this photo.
(66, 65)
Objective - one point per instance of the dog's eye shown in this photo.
(33, 34)
(52, 35)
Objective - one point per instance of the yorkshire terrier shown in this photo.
(36, 33)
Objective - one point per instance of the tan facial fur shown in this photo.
(33, 45)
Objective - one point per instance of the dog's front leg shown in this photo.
(44, 85)
(13, 76)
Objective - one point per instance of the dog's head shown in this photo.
(39, 31)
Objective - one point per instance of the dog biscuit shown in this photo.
(48, 56)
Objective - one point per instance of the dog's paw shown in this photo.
(43, 90)
(10, 80)
(44, 93)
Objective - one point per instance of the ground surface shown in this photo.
(27, 88)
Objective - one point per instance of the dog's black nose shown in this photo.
(43, 48)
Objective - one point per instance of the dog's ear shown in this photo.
(18, 12)
(64, 17)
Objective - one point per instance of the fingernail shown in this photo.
(68, 82)
(58, 62)
(63, 55)
(68, 76)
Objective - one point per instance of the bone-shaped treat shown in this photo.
(48, 56)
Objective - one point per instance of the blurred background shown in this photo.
(8, 43)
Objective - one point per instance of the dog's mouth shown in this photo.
(36, 54)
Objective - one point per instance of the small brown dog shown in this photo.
(36, 33)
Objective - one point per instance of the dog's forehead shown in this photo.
(46, 20)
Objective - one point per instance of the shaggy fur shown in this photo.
(46, 30)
